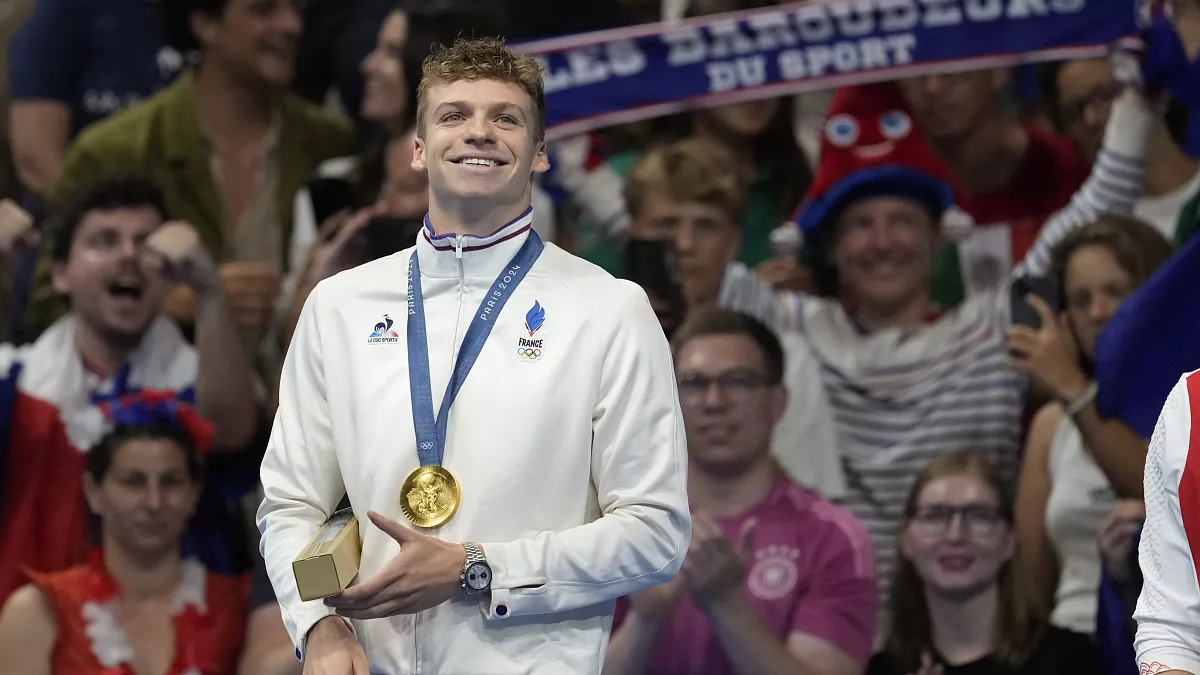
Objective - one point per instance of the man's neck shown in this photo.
(142, 578)
(906, 315)
(474, 217)
(1168, 168)
(723, 493)
(985, 160)
(100, 354)
(232, 108)
(964, 629)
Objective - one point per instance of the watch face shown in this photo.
(479, 576)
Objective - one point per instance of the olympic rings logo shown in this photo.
(529, 353)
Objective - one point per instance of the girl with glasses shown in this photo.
(960, 605)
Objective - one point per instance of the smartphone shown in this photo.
(385, 235)
(1046, 288)
(328, 196)
(649, 263)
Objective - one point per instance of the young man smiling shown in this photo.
(564, 455)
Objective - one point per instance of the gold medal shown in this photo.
(429, 496)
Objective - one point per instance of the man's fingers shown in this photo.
(393, 529)
(330, 226)
(375, 590)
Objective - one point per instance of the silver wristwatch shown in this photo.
(476, 578)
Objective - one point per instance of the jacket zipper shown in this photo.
(462, 282)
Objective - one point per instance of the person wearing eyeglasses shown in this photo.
(960, 603)
(777, 579)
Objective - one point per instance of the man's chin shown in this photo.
(126, 331)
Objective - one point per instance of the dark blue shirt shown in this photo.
(96, 56)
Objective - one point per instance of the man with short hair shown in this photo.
(108, 256)
(499, 531)
(777, 579)
(684, 196)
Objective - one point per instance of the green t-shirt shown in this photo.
(761, 216)
(1189, 217)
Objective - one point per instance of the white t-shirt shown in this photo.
(1163, 211)
(1080, 499)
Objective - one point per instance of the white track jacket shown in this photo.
(1168, 611)
(569, 452)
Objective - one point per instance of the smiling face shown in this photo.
(385, 86)
(957, 539)
(256, 38)
(478, 143)
(883, 249)
(146, 496)
(729, 404)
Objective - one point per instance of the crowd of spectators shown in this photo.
(897, 464)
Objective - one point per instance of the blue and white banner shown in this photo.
(628, 74)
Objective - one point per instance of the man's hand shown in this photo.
(1116, 537)
(786, 274)
(16, 229)
(928, 667)
(252, 288)
(332, 650)
(1048, 353)
(716, 567)
(333, 251)
(424, 574)
(175, 251)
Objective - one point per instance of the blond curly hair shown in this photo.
(485, 58)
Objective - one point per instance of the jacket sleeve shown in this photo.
(1168, 635)
(1114, 185)
(638, 466)
(301, 479)
(742, 291)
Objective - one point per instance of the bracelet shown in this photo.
(1077, 401)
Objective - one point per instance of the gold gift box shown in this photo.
(330, 561)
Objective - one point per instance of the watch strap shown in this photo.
(474, 553)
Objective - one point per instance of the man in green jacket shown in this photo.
(228, 144)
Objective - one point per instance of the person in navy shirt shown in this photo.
(75, 62)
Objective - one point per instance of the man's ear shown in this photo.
(541, 159)
(58, 278)
(779, 403)
(203, 27)
(419, 162)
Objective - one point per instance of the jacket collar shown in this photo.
(486, 257)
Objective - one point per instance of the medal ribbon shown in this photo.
(431, 432)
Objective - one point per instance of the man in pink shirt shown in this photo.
(777, 579)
